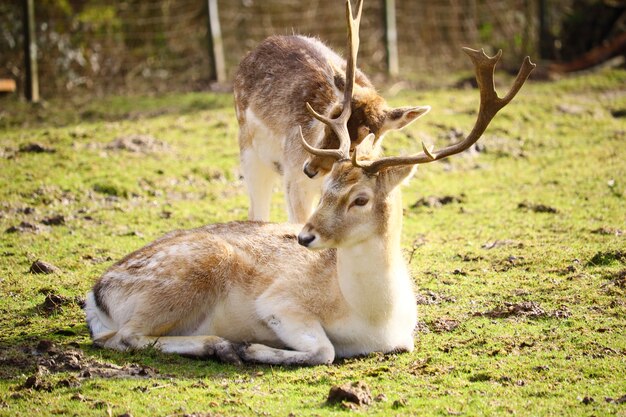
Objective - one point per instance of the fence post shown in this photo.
(31, 88)
(391, 37)
(545, 35)
(216, 49)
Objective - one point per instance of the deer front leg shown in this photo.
(303, 334)
(196, 346)
(259, 179)
(301, 194)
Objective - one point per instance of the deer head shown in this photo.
(356, 201)
(362, 111)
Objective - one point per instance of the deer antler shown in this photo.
(490, 104)
(340, 124)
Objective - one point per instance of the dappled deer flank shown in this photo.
(490, 104)
(290, 87)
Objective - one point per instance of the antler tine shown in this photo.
(340, 124)
(490, 104)
(332, 153)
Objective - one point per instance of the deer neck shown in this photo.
(372, 274)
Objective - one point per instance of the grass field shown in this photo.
(518, 253)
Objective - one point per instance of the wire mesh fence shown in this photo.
(162, 45)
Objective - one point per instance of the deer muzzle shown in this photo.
(306, 236)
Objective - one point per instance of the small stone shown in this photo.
(537, 208)
(41, 267)
(36, 148)
(587, 400)
(354, 392)
(381, 398)
(23, 227)
(399, 403)
(57, 220)
(78, 397)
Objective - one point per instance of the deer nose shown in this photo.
(308, 171)
(305, 238)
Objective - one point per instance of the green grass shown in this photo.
(558, 145)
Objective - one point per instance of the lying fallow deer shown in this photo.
(251, 291)
(272, 85)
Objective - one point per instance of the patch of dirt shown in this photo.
(24, 227)
(469, 258)
(529, 309)
(422, 327)
(620, 400)
(137, 143)
(56, 220)
(501, 243)
(49, 358)
(617, 279)
(618, 113)
(523, 309)
(608, 231)
(432, 298)
(352, 392)
(195, 415)
(438, 201)
(509, 262)
(38, 382)
(399, 403)
(537, 208)
(54, 303)
(568, 270)
(562, 312)
(36, 148)
(41, 267)
(49, 194)
(419, 367)
(443, 324)
(96, 259)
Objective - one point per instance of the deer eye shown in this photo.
(360, 201)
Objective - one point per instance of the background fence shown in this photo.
(136, 46)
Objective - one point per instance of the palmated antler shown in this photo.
(490, 104)
(340, 124)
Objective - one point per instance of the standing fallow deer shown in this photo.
(256, 292)
(276, 87)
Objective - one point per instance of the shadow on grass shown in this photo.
(69, 349)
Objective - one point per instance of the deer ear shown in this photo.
(390, 178)
(365, 147)
(396, 119)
